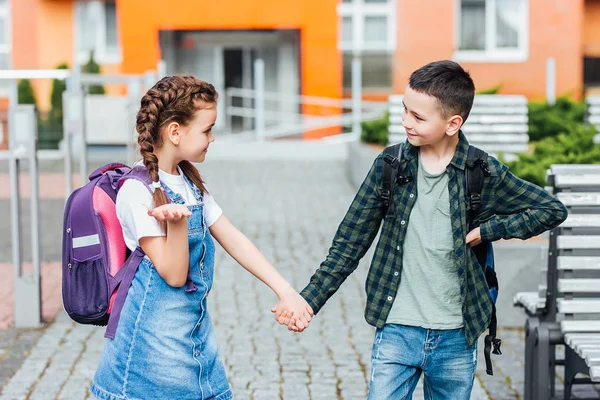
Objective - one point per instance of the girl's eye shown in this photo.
(418, 118)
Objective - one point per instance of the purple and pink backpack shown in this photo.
(97, 266)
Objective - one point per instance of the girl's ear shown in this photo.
(173, 134)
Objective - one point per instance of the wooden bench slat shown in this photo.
(578, 242)
(573, 181)
(558, 169)
(580, 326)
(579, 285)
(578, 263)
(584, 348)
(530, 301)
(579, 306)
(582, 221)
(579, 199)
(480, 99)
(572, 339)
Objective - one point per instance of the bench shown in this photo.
(566, 307)
(496, 124)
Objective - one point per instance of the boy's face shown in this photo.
(424, 123)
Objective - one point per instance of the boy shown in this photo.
(426, 293)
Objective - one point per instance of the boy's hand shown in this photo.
(170, 212)
(292, 310)
(474, 237)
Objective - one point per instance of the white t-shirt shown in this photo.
(134, 199)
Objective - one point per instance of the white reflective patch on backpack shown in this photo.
(84, 241)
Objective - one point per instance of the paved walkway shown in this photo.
(290, 209)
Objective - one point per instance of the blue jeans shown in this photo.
(401, 353)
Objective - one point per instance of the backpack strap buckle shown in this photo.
(393, 161)
(403, 180)
(497, 343)
(475, 201)
(385, 196)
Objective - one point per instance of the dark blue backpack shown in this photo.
(475, 174)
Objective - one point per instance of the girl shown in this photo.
(164, 346)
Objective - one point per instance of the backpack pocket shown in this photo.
(87, 296)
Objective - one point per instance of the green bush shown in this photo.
(550, 120)
(574, 146)
(51, 128)
(376, 131)
(492, 90)
(25, 92)
(91, 67)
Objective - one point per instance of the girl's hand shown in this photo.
(474, 237)
(293, 311)
(170, 212)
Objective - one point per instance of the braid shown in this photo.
(147, 118)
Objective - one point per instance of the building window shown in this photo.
(5, 44)
(492, 30)
(96, 28)
(591, 71)
(369, 27)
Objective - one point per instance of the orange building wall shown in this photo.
(591, 28)
(320, 69)
(555, 30)
(25, 34)
(140, 21)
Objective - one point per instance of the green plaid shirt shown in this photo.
(511, 208)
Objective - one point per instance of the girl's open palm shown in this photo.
(169, 212)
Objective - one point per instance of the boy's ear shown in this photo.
(453, 125)
(173, 133)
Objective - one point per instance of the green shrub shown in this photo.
(550, 120)
(25, 92)
(91, 67)
(376, 131)
(574, 146)
(51, 128)
(492, 90)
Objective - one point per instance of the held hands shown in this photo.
(292, 310)
(474, 237)
(170, 212)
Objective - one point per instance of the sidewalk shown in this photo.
(290, 209)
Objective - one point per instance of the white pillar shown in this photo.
(259, 101)
(551, 80)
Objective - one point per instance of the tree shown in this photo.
(91, 67)
(25, 92)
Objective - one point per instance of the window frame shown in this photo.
(357, 11)
(491, 53)
(101, 53)
(6, 48)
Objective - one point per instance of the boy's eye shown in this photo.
(418, 118)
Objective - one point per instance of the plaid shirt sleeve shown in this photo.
(521, 209)
(351, 241)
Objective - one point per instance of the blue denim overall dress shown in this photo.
(165, 346)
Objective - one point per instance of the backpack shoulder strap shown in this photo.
(391, 165)
(139, 173)
(474, 175)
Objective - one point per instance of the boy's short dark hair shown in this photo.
(449, 83)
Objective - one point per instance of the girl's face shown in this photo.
(197, 135)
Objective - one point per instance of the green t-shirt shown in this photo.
(429, 291)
